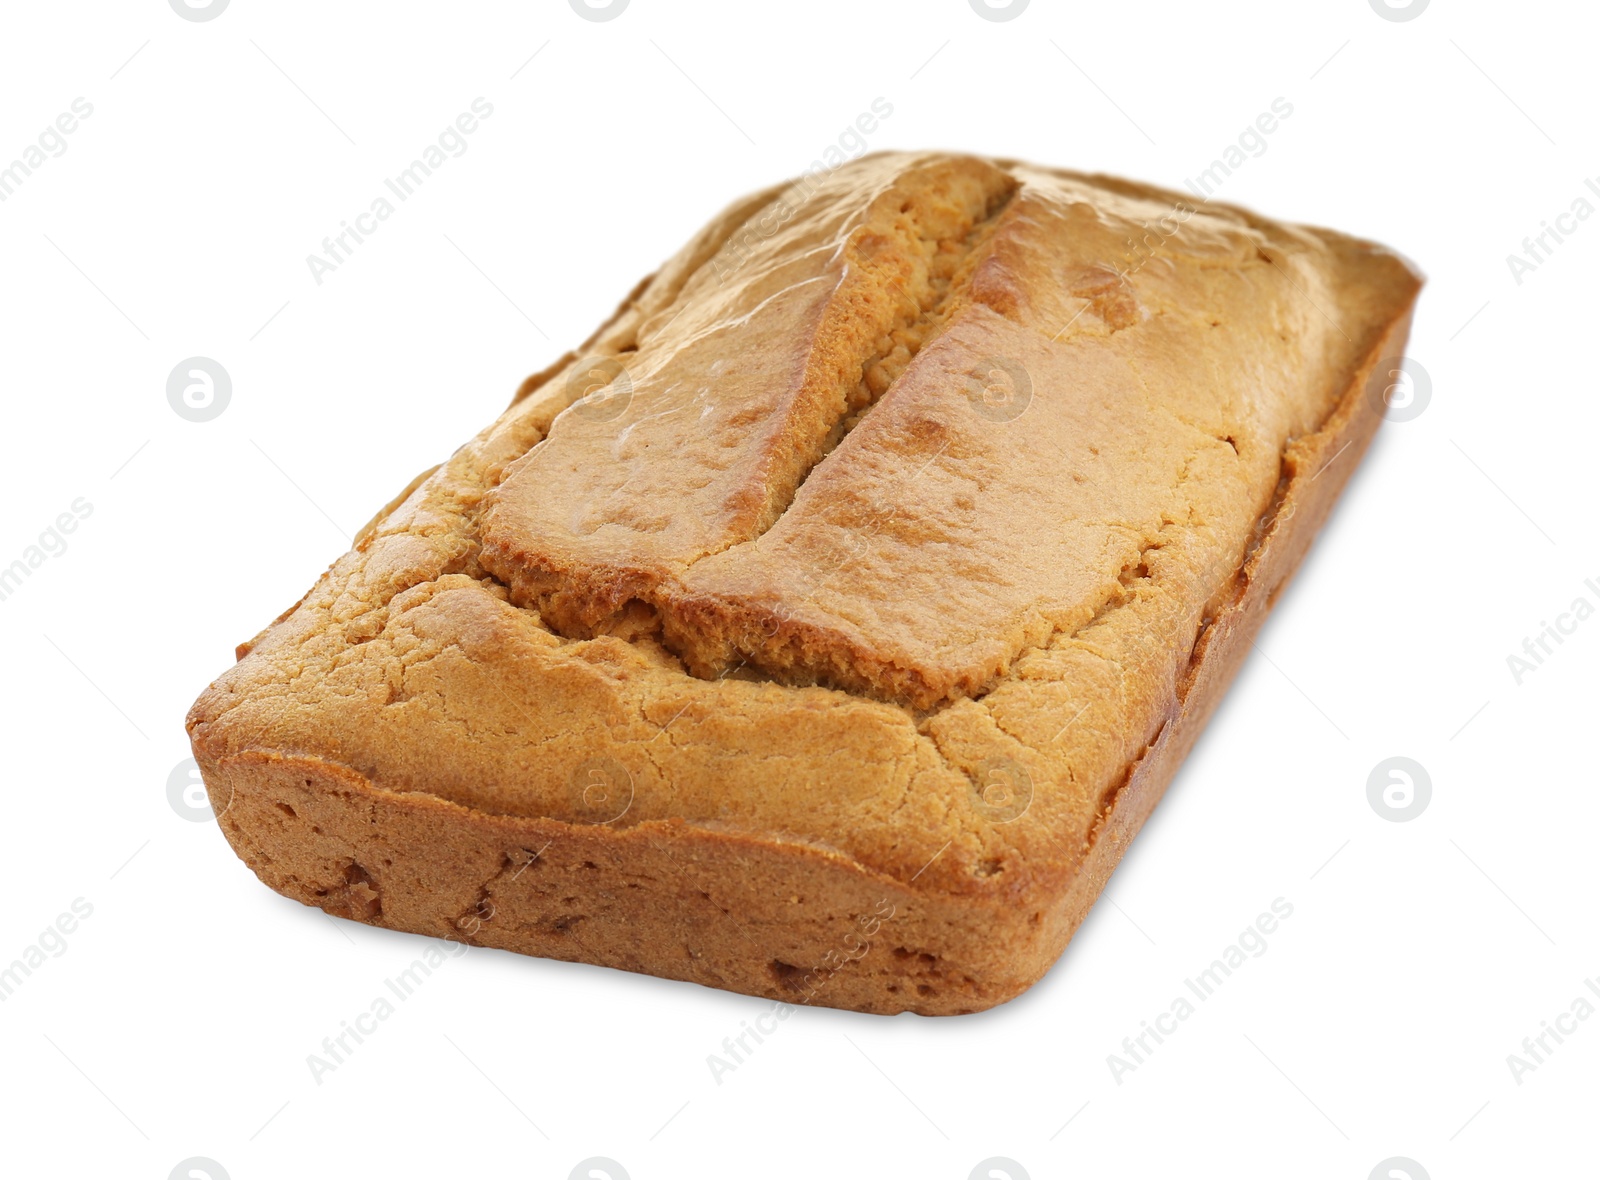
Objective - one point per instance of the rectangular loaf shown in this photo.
(828, 624)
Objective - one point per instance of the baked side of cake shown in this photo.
(711, 703)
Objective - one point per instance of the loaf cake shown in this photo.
(825, 626)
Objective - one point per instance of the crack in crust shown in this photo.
(755, 396)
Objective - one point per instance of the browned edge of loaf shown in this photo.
(741, 911)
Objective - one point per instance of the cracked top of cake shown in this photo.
(941, 414)
(895, 479)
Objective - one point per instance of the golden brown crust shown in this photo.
(409, 689)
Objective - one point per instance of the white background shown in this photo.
(219, 154)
